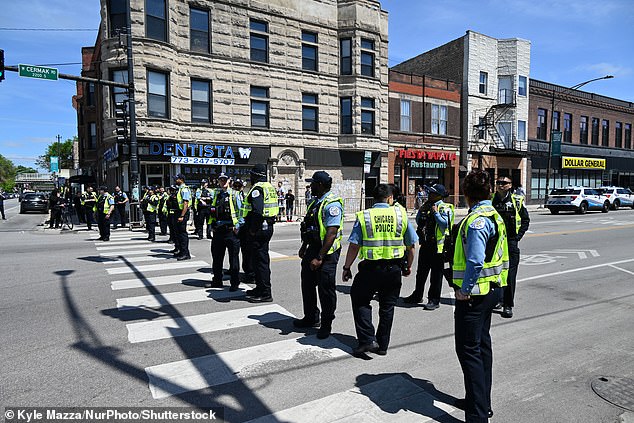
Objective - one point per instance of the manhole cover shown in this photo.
(615, 390)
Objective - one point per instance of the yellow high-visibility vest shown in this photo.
(271, 208)
(383, 230)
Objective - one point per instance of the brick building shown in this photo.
(494, 76)
(424, 131)
(220, 85)
(592, 126)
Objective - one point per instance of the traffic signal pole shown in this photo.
(134, 156)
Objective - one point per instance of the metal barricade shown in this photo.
(136, 216)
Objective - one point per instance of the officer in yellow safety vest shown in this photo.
(259, 211)
(480, 267)
(384, 240)
(184, 199)
(434, 219)
(88, 201)
(152, 208)
(321, 232)
(103, 209)
(225, 220)
(162, 211)
(515, 216)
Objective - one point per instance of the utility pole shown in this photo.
(134, 157)
(59, 158)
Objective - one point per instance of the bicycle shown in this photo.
(67, 218)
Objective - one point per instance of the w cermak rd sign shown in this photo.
(38, 72)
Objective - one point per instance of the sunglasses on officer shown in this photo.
(502, 182)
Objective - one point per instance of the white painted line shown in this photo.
(580, 269)
(211, 370)
(273, 254)
(621, 269)
(144, 250)
(136, 244)
(138, 259)
(123, 243)
(156, 267)
(179, 297)
(160, 280)
(387, 400)
(286, 240)
(204, 323)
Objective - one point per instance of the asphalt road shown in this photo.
(117, 324)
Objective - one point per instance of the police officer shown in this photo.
(480, 267)
(171, 208)
(515, 216)
(321, 231)
(162, 210)
(183, 198)
(204, 197)
(248, 277)
(434, 220)
(225, 222)
(103, 209)
(89, 201)
(385, 242)
(120, 200)
(259, 211)
(152, 208)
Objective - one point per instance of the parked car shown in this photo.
(34, 201)
(618, 196)
(577, 199)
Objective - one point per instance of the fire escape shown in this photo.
(495, 130)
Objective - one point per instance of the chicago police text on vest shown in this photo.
(384, 223)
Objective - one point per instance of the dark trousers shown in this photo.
(56, 218)
(258, 246)
(225, 239)
(120, 215)
(472, 321)
(247, 259)
(203, 217)
(289, 212)
(150, 223)
(197, 221)
(429, 261)
(171, 223)
(79, 210)
(104, 225)
(90, 216)
(375, 279)
(320, 282)
(162, 222)
(514, 261)
(181, 234)
(2, 210)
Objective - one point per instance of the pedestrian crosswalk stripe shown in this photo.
(123, 242)
(211, 370)
(123, 237)
(273, 254)
(159, 280)
(137, 259)
(141, 250)
(203, 323)
(392, 399)
(107, 247)
(178, 297)
(156, 267)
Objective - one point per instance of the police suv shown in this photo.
(618, 196)
(577, 199)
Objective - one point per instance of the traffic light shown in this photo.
(1, 65)
(121, 121)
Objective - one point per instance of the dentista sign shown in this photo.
(582, 163)
(195, 150)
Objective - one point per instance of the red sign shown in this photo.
(426, 155)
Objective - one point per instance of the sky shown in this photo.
(571, 41)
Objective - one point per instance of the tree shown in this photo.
(65, 152)
(23, 169)
(7, 174)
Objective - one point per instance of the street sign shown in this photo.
(38, 72)
(556, 141)
(54, 164)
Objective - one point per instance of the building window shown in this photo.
(119, 95)
(259, 41)
(346, 115)
(259, 107)
(367, 116)
(595, 131)
(345, 56)
(90, 87)
(618, 135)
(438, 119)
(310, 113)
(157, 103)
(367, 57)
(521, 130)
(583, 130)
(155, 20)
(93, 136)
(541, 124)
(199, 30)
(605, 133)
(406, 116)
(201, 101)
(628, 135)
(556, 126)
(309, 51)
(484, 79)
(482, 128)
(521, 87)
(118, 17)
(567, 127)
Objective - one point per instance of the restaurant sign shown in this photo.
(433, 155)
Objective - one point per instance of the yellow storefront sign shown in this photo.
(582, 163)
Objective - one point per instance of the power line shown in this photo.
(47, 29)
